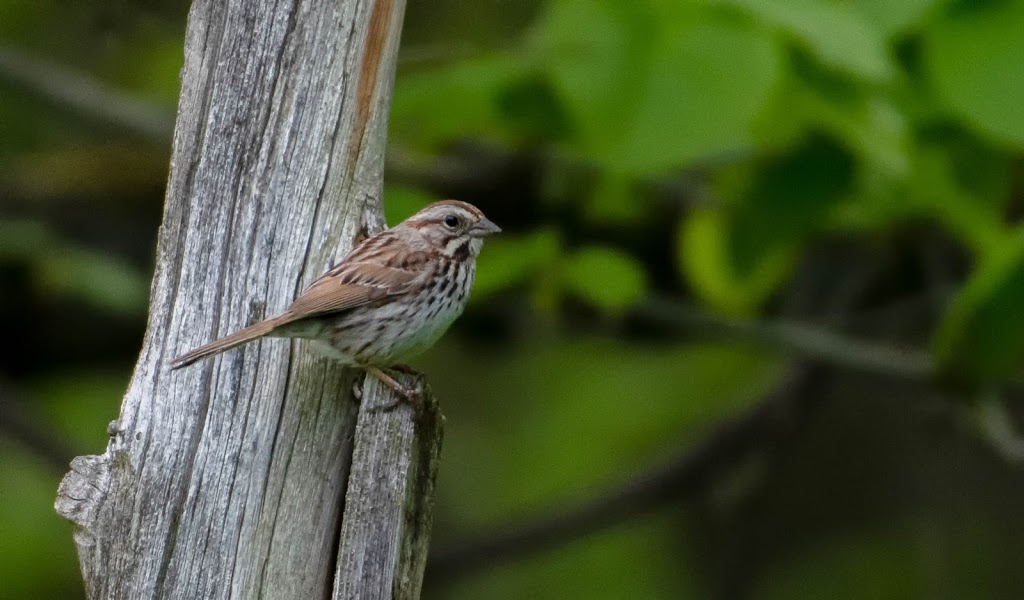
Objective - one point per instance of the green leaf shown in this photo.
(648, 95)
(971, 207)
(789, 198)
(953, 178)
(836, 34)
(531, 107)
(981, 338)
(607, 278)
(893, 18)
(706, 259)
(707, 83)
(613, 202)
(596, 53)
(974, 59)
(868, 124)
(462, 100)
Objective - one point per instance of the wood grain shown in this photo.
(394, 466)
(228, 479)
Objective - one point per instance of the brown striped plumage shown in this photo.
(391, 298)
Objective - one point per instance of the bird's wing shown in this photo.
(363, 277)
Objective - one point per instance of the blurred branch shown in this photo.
(996, 424)
(800, 339)
(481, 165)
(478, 165)
(86, 94)
(732, 442)
(915, 307)
(693, 471)
(16, 423)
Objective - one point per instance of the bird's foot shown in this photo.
(412, 397)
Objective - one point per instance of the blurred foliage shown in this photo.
(37, 555)
(827, 116)
(747, 156)
(59, 268)
(581, 570)
(521, 435)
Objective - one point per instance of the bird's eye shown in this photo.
(451, 221)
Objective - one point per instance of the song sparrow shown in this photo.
(392, 297)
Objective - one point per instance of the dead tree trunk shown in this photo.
(257, 474)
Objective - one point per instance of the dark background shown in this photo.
(754, 330)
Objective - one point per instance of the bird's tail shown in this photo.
(225, 343)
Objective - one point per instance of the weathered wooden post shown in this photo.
(259, 474)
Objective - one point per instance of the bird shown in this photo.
(392, 297)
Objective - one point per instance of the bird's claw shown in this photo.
(414, 397)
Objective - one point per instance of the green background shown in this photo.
(762, 281)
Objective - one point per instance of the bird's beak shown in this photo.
(484, 227)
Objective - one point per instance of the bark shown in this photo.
(230, 478)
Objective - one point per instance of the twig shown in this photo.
(86, 94)
(996, 425)
(800, 339)
(74, 90)
(733, 441)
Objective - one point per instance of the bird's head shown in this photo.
(455, 228)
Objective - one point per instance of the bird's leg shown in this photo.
(412, 397)
(387, 380)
